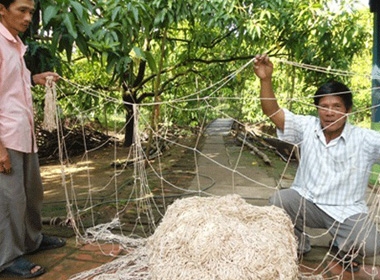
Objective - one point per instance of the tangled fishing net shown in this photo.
(211, 238)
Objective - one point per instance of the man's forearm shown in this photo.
(268, 100)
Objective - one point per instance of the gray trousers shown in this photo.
(21, 195)
(357, 234)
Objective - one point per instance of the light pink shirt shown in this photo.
(16, 104)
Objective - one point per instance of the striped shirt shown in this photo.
(335, 175)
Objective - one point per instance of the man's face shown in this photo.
(18, 16)
(332, 114)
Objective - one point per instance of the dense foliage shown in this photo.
(143, 51)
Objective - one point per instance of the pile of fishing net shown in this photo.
(211, 238)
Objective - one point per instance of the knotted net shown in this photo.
(211, 238)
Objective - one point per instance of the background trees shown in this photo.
(159, 50)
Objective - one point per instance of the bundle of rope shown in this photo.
(223, 238)
(213, 238)
(49, 122)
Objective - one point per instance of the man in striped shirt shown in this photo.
(331, 181)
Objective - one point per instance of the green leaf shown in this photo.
(151, 62)
(82, 44)
(135, 14)
(86, 28)
(49, 13)
(138, 53)
(115, 13)
(69, 22)
(78, 8)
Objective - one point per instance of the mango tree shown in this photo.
(156, 50)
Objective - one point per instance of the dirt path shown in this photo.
(103, 172)
(94, 179)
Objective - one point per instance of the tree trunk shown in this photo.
(128, 136)
(129, 122)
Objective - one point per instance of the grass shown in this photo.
(374, 175)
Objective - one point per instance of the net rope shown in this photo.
(49, 122)
(137, 262)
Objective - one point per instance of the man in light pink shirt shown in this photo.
(21, 190)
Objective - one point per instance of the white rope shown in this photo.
(325, 70)
(222, 238)
(137, 264)
(49, 122)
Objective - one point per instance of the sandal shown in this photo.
(51, 242)
(21, 267)
(347, 261)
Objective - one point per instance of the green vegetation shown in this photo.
(171, 52)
